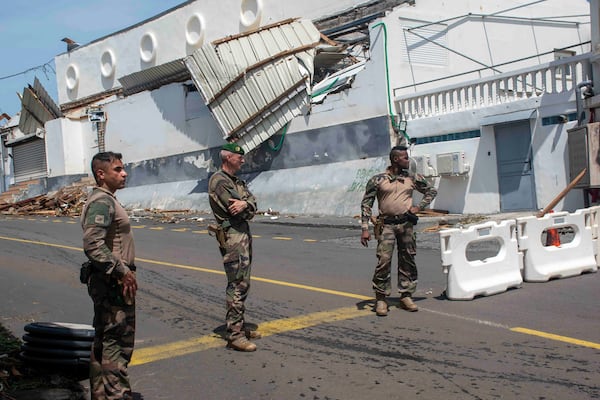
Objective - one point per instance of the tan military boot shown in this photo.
(407, 304)
(381, 307)
(252, 334)
(242, 344)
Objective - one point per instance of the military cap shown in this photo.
(234, 148)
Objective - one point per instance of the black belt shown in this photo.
(397, 219)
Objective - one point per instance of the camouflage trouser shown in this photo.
(237, 260)
(114, 325)
(402, 235)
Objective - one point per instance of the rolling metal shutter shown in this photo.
(29, 160)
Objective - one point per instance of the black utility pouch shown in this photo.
(412, 218)
(85, 272)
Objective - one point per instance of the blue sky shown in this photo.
(31, 30)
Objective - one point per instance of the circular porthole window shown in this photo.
(148, 48)
(72, 77)
(251, 13)
(107, 64)
(194, 30)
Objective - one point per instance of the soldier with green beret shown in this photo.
(233, 205)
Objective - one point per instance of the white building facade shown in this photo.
(488, 90)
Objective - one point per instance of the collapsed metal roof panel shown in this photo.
(255, 83)
(154, 77)
(37, 108)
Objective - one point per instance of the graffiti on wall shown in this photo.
(361, 178)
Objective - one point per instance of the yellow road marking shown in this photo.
(281, 238)
(56, 221)
(310, 240)
(138, 226)
(265, 326)
(256, 236)
(204, 231)
(183, 347)
(157, 228)
(179, 230)
(71, 222)
(60, 246)
(559, 338)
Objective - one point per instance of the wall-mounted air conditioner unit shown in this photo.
(452, 164)
(423, 165)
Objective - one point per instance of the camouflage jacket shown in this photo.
(221, 188)
(107, 237)
(394, 194)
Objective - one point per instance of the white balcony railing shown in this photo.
(551, 78)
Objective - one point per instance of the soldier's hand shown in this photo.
(237, 206)
(414, 210)
(129, 285)
(364, 238)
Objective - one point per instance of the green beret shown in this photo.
(234, 148)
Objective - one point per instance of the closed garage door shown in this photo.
(29, 160)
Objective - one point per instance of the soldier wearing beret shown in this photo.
(110, 277)
(393, 190)
(233, 206)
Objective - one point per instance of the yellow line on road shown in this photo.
(180, 348)
(281, 238)
(310, 240)
(559, 338)
(60, 246)
(157, 228)
(203, 231)
(179, 230)
(138, 226)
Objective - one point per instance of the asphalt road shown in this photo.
(311, 299)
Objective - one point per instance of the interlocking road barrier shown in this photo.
(595, 215)
(542, 263)
(467, 279)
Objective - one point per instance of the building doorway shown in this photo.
(515, 167)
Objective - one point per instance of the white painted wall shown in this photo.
(67, 144)
(486, 41)
(171, 36)
(154, 124)
(477, 192)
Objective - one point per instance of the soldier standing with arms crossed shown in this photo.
(233, 206)
(108, 244)
(393, 190)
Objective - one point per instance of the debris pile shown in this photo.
(67, 201)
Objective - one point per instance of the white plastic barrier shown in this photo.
(542, 263)
(595, 215)
(467, 279)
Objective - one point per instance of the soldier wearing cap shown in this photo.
(233, 206)
(393, 190)
(110, 277)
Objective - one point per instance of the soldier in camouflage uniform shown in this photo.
(108, 245)
(393, 190)
(233, 206)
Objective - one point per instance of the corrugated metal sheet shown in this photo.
(45, 99)
(154, 77)
(255, 83)
(37, 108)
